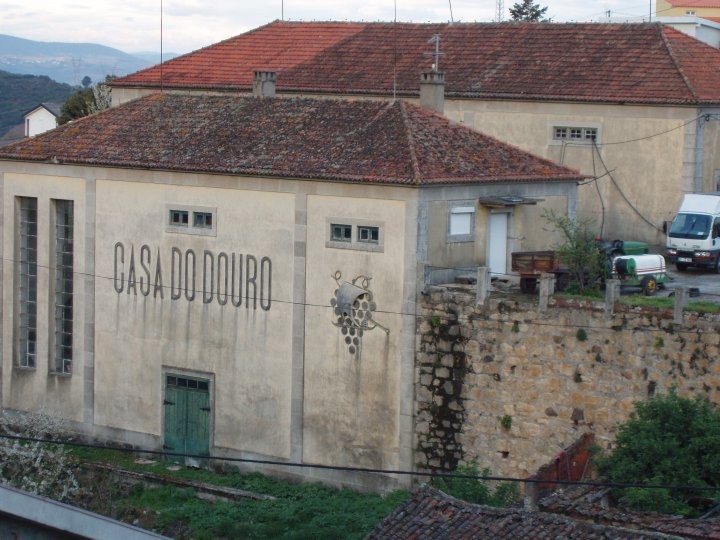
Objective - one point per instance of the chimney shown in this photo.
(264, 83)
(432, 91)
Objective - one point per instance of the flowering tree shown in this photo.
(33, 466)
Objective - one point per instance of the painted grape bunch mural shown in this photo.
(353, 306)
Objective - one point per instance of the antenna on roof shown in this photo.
(451, 16)
(395, 51)
(161, 46)
(437, 54)
(282, 10)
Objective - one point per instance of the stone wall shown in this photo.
(512, 387)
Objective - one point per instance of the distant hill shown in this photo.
(154, 57)
(20, 93)
(66, 62)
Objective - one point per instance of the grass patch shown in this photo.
(303, 511)
(664, 302)
(300, 510)
(658, 302)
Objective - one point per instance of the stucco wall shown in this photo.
(554, 375)
(247, 348)
(283, 383)
(37, 389)
(650, 152)
(352, 401)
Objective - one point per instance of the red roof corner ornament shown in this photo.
(353, 306)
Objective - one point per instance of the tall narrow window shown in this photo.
(63, 286)
(26, 322)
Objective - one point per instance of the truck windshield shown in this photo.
(690, 226)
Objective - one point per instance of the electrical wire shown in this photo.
(416, 315)
(367, 470)
(622, 194)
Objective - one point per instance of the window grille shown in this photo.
(63, 286)
(26, 352)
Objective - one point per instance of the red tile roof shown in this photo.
(363, 141)
(629, 63)
(695, 3)
(432, 515)
(585, 503)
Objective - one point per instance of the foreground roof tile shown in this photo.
(361, 141)
(432, 515)
(626, 63)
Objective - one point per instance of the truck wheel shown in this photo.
(527, 285)
(649, 285)
(681, 266)
(716, 266)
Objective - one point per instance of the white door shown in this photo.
(497, 243)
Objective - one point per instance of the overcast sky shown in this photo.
(134, 25)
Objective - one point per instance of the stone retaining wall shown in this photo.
(512, 387)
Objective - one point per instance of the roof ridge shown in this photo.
(417, 179)
(676, 62)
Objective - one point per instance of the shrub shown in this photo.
(668, 440)
(580, 252)
(475, 490)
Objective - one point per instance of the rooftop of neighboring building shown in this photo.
(582, 62)
(51, 107)
(365, 141)
(431, 514)
(694, 3)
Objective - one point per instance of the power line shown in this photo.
(416, 315)
(399, 472)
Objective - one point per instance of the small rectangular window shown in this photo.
(368, 234)
(179, 218)
(182, 219)
(340, 232)
(462, 220)
(574, 133)
(202, 220)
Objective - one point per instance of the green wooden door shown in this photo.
(187, 417)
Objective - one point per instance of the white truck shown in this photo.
(693, 238)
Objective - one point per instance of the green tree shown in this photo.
(86, 101)
(76, 106)
(580, 252)
(86, 81)
(527, 11)
(668, 440)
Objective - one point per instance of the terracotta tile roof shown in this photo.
(430, 514)
(585, 503)
(363, 141)
(629, 63)
(695, 3)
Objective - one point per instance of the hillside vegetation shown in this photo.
(20, 93)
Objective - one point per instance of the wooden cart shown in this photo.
(530, 264)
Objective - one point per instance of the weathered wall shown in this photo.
(512, 387)
(282, 380)
(642, 146)
(38, 389)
